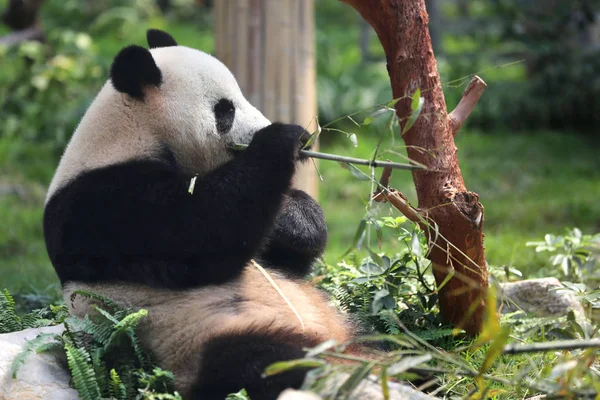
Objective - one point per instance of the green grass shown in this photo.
(25, 171)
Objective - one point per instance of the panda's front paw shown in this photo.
(285, 139)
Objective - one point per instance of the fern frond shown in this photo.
(107, 315)
(117, 389)
(84, 378)
(31, 346)
(100, 370)
(100, 332)
(60, 313)
(35, 319)
(9, 320)
(342, 298)
(93, 296)
(104, 354)
(55, 345)
(434, 334)
(131, 321)
(390, 324)
(139, 351)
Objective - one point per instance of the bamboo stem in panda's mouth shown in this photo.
(343, 159)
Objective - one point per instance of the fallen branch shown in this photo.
(467, 103)
(342, 159)
(551, 346)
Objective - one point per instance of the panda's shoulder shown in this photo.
(121, 179)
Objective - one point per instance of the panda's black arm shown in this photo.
(299, 235)
(137, 221)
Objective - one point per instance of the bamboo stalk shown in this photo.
(344, 159)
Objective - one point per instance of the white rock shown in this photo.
(369, 389)
(539, 297)
(42, 376)
(291, 394)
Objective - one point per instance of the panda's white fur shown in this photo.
(122, 137)
(117, 128)
(179, 323)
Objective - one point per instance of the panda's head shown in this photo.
(187, 98)
(169, 99)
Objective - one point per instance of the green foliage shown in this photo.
(60, 74)
(102, 350)
(241, 395)
(11, 322)
(554, 45)
(345, 82)
(387, 292)
(465, 369)
(562, 58)
(574, 254)
(576, 257)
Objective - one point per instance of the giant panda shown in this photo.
(122, 221)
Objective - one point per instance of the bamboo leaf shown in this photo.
(491, 322)
(392, 103)
(416, 106)
(415, 244)
(495, 349)
(374, 115)
(354, 380)
(376, 258)
(283, 366)
(357, 236)
(321, 348)
(385, 390)
(407, 363)
(356, 172)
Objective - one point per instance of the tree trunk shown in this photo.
(455, 215)
(269, 47)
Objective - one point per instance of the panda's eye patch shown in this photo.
(224, 114)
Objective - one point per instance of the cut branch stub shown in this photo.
(453, 216)
(467, 103)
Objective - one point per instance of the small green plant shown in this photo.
(384, 291)
(241, 395)
(10, 321)
(60, 75)
(103, 352)
(574, 254)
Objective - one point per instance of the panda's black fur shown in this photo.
(136, 222)
(133, 229)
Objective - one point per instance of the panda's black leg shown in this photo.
(237, 361)
(299, 235)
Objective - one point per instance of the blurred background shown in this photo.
(530, 149)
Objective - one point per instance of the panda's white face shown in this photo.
(199, 108)
(195, 112)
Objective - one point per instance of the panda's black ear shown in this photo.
(132, 69)
(157, 38)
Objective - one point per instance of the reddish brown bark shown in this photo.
(444, 201)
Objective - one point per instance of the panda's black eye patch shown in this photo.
(224, 114)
